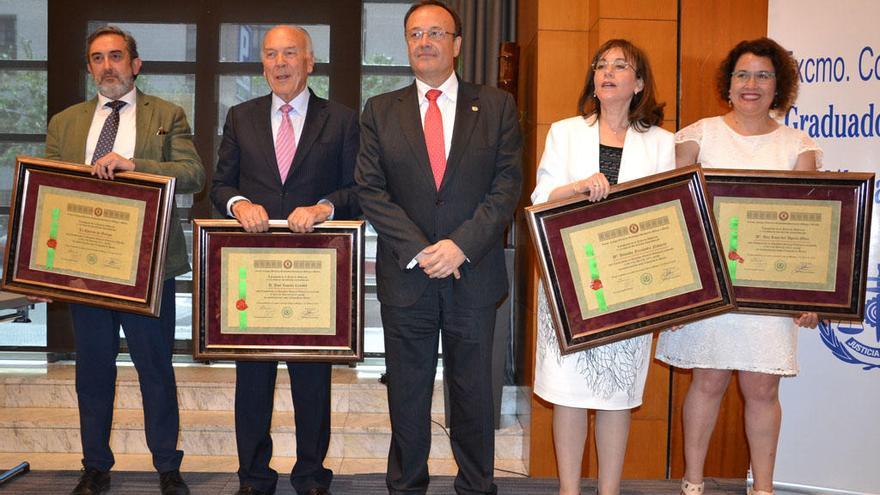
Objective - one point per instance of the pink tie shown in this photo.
(434, 136)
(285, 144)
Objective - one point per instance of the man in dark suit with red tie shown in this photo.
(439, 171)
(288, 155)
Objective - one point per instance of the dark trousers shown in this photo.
(150, 343)
(411, 337)
(254, 400)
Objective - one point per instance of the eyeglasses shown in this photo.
(433, 34)
(743, 76)
(618, 65)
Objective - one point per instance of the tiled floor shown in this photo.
(41, 483)
(229, 464)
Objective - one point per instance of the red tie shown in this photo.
(434, 136)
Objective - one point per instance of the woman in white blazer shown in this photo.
(615, 139)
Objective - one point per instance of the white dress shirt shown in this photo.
(300, 104)
(446, 103)
(125, 135)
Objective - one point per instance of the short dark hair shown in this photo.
(644, 111)
(130, 43)
(784, 65)
(424, 3)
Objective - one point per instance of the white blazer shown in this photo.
(572, 153)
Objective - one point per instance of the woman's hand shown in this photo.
(807, 320)
(596, 187)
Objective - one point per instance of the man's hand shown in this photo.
(441, 260)
(807, 320)
(110, 163)
(304, 218)
(252, 217)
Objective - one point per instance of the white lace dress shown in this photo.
(767, 344)
(612, 376)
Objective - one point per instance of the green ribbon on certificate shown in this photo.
(52, 243)
(241, 305)
(733, 243)
(596, 282)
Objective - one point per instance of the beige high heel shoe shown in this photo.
(688, 488)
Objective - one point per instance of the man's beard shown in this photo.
(115, 89)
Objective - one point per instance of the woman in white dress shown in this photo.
(758, 78)
(615, 139)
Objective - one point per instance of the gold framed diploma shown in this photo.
(77, 238)
(645, 258)
(795, 241)
(278, 295)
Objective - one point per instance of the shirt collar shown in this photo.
(449, 88)
(129, 98)
(300, 102)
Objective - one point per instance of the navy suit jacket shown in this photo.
(476, 201)
(323, 165)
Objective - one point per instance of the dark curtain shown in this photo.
(485, 25)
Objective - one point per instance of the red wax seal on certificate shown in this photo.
(52, 243)
(733, 255)
(240, 305)
(596, 284)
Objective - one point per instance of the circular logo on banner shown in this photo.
(857, 342)
(783, 215)
(288, 264)
(633, 228)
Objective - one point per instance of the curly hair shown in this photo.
(644, 111)
(784, 65)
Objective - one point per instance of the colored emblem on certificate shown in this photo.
(780, 243)
(278, 291)
(639, 257)
(87, 235)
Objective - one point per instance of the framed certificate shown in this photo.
(278, 295)
(74, 237)
(645, 258)
(795, 241)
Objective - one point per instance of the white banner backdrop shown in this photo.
(830, 439)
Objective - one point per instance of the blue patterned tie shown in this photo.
(108, 132)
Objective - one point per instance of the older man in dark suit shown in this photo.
(439, 175)
(288, 155)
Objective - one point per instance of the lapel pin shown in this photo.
(475, 109)
(161, 131)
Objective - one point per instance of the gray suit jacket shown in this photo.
(170, 154)
(476, 201)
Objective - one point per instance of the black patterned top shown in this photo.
(609, 162)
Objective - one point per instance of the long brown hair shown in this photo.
(644, 111)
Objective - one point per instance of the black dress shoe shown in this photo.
(318, 491)
(171, 483)
(92, 482)
(249, 490)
